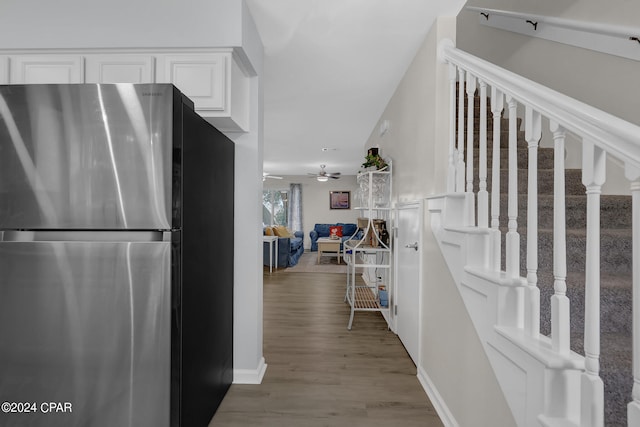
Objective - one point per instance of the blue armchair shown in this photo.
(322, 230)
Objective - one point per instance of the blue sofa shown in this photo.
(289, 250)
(322, 230)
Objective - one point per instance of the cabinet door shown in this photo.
(202, 77)
(4, 70)
(120, 69)
(47, 69)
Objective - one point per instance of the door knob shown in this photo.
(412, 245)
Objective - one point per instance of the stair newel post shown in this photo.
(469, 196)
(497, 105)
(533, 131)
(633, 409)
(483, 195)
(559, 300)
(451, 177)
(592, 388)
(460, 163)
(512, 237)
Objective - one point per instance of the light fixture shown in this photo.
(322, 178)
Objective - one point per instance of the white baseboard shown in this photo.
(436, 400)
(250, 376)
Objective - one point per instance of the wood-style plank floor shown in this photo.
(321, 374)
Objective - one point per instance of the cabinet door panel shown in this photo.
(120, 69)
(47, 69)
(203, 78)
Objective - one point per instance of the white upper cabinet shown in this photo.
(47, 69)
(214, 80)
(215, 83)
(113, 68)
(201, 77)
(4, 70)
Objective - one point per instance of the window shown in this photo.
(275, 207)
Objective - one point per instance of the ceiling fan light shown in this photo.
(322, 178)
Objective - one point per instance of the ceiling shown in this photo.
(330, 68)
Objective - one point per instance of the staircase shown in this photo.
(615, 263)
(552, 350)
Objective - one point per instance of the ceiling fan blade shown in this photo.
(334, 177)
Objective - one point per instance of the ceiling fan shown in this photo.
(323, 175)
(265, 175)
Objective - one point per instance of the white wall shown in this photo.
(607, 82)
(452, 355)
(69, 24)
(248, 361)
(315, 200)
(26, 24)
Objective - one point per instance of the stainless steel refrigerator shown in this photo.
(116, 257)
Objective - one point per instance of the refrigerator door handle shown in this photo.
(84, 236)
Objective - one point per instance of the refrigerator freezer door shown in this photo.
(87, 326)
(86, 156)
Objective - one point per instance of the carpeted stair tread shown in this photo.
(545, 158)
(504, 122)
(504, 140)
(615, 250)
(615, 291)
(615, 211)
(573, 181)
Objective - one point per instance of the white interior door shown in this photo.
(407, 250)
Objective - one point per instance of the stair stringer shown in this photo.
(541, 387)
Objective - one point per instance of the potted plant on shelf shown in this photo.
(374, 160)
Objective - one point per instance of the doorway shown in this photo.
(408, 249)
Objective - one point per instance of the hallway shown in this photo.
(320, 374)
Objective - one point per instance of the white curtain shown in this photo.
(295, 207)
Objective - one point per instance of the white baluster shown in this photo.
(633, 409)
(592, 396)
(533, 131)
(497, 104)
(483, 195)
(460, 168)
(469, 196)
(451, 177)
(559, 300)
(512, 237)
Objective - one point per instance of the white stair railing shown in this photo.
(559, 300)
(593, 176)
(513, 237)
(601, 135)
(469, 196)
(460, 158)
(483, 195)
(497, 105)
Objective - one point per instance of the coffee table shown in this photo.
(328, 247)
